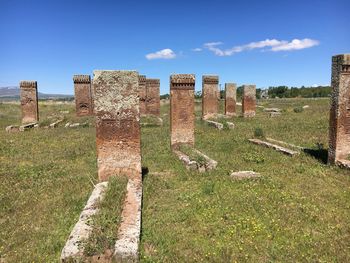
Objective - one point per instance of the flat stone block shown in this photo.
(244, 175)
(275, 147)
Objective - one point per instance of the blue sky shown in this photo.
(247, 42)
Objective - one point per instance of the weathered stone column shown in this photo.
(182, 115)
(210, 96)
(249, 100)
(29, 101)
(230, 99)
(339, 121)
(83, 97)
(142, 94)
(153, 97)
(117, 124)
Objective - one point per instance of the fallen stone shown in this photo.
(27, 126)
(230, 125)
(285, 143)
(73, 250)
(244, 175)
(306, 106)
(272, 110)
(215, 124)
(274, 114)
(64, 111)
(55, 124)
(126, 248)
(343, 163)
(12, 128)
(274, 146)
(193, 165)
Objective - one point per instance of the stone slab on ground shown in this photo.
(343, 163)
(230, 125)
(275, 147)
(126, 248)
(285, 143)
(73, 250)
(215, 124)
(244, 175)
(28, 126)
(193, 165)
(12, 128)
(55, 124)
(274, 114)
(272, 110)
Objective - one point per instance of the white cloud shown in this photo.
(198, 49)
(166, 53)
(271, 45)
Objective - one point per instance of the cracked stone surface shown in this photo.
(117, 123)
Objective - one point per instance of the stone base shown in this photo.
(73, 251)
(343, 163)
(215, 124)
(126, 247)
(275, 147)
(249, 114)
(244, 175)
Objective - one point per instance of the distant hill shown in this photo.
(13, 92)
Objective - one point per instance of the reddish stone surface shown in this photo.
(83, 96)
(210, 96)
(29, 101)
(117, 124)
(230, 99)
(182, 115)
(142, 94)
(339, 121)
(249, 101)
(153, 97)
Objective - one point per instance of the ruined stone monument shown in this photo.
(210, 96)
(153, 97)
(29, 101)
(83, 96)
(117, 113)
(142, 94)
(230, 99)
(339, 121)
(249, 100)
(182, 115)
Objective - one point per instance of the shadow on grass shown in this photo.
(320, 154)
(144, 172)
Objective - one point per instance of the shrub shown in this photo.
(259, 133)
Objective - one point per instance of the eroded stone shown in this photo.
(153, 97)
(230, 99)
(29, 101)
(117, 123)
(182, 109)
(249, 100)
(83, 95)
(210, 96)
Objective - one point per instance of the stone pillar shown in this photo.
(117, 124)
(153, 97)
(82, 93)
(249, 100)
(230, 99)
(339, 121)
(29, 101)
(210, 96)
(182, 117)
(142, 94)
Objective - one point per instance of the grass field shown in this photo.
(298, 211)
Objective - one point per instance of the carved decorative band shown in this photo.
(82, 79)
(142, 79)
(188, 79)
(28, 84)
(210, 79)
(182, 86)
(153, 81)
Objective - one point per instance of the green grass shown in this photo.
(105, 223)
(298, 211)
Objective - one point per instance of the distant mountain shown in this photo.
(14, 92)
